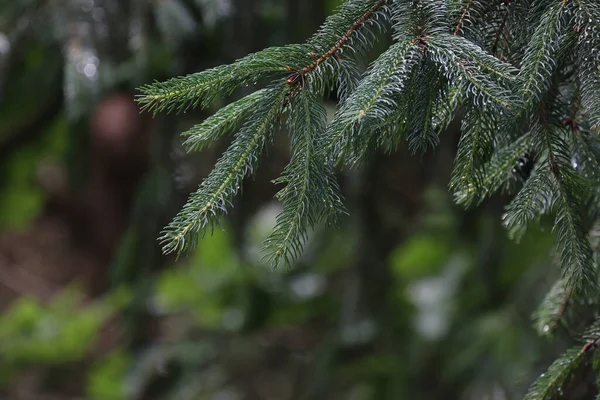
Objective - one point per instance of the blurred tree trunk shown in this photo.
(303, 18)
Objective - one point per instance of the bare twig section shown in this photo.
(340, 43)
(589, 345)
(552, 161)
(563, 308)
(499, 34)
(462, 18)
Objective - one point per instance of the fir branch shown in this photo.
(448, 106)
(372, 100)
(533, 200)
(494, 48)
(216, 192)
(574, 248)
(588, 59)
(586, 157)
(392, 131)
(577, 263)
(541, 57)
(498, 171)
(343, 40)
(348, 79)
(307, 190)
(465, 49)
(552, 309)
(345, 23)
(353, 29)
(223, 121)
(462, 18)
(427, 101)
(550, 383)
(591, 12)
(474, 148)
(463, 61)
(202, 88)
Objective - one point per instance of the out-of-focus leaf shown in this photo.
(106, 379)
(420, 256)
(21, 196)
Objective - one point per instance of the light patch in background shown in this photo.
(361, 332)
(214, 10)
(4, 56)
(433, 299)
(233, 319)
(174, 21)
(4, 44)
(259, 228)
(307, 286)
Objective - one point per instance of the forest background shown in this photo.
(412, 297)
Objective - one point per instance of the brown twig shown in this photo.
(554, 168)
(572, 122)
(340, 43)
(590, 344)
(563, 307)
(462, 18)
(499, 34)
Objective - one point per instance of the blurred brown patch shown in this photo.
(74, 239)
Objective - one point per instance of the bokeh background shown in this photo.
(411, 298)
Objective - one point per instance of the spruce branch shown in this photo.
(307, 196)
(461, 21)
(498, 171)
(498, 36)
(427, 101)
(577, 263)
(372, 100)
(541, 56)
(310, 71)
(438, 66)
(353, 29)
(223, 121)
(588, 59)
(551, 382)
(346, 23)
(533, 200)
(215, 193)
(591, 14)
(390, 133)
(348, 79)
(202, 88)
(487, 81)
(586, 156)
(419, 18)
(474, 148)
(449, 104)
(342, 41)
(552, 309)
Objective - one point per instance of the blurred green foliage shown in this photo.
(21, 196)
(107, 376)
(33, 334)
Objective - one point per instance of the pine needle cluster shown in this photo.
(522, 76)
